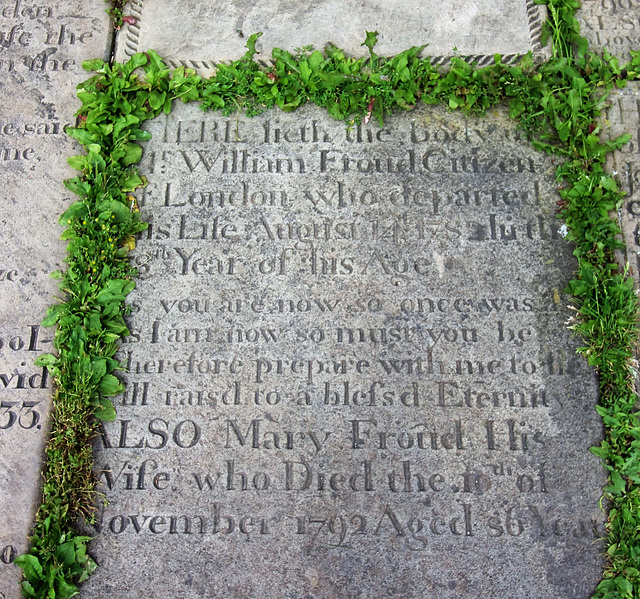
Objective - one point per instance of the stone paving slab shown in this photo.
(42, 45)
(623, 117)
(349, 373)
(199, 34)
(611, 24)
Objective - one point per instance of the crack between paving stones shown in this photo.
(112, 45)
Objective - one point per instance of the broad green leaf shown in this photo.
(66, 553)
(618, 482)
(53, 315)
(27, 589)
(92, 323)
(286, 58)
(316, 60)
(109, 208)
(105, 411)
(624, 585)
(89, 568)
(98, 370)
(574, 100)
(64, 589)
(251, 44)
(133, 182)
(601, 452)
(110, 385)
(30, 566)
(94, 64)
(82, 135)
(609, 183)
(124, 121)
(114, 290)
(620, 141)
(86, 97)
(133, 153)
(305, 71)
(77, 186)
(77, 162)
(371, 40)
(516, 108)
(332, 80)
(155, 67)
(216, 100)
(157, 99)
(137, 60)
(76, 210)
(47, 360)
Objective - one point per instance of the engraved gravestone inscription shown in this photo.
(42, 45)
(611, 24)
(623, 117)
(348, 370)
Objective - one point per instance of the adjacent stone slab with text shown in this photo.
(42, 46)
(611, 24)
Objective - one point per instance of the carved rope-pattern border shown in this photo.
(132, 41)
(480, 60)
(132, 36)
(535, 24)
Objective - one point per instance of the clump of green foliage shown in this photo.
(557, 103)
(116, 11)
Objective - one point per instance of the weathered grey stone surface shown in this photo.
(623, 117)
(611, 24)
(42, 45)
(365, 329)
(200, 34)
(615, 25)
(349, 371)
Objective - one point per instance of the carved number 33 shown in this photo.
(25, 415)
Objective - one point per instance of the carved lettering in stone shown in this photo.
(611, 24)
(349, 344)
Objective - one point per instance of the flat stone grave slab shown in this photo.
(200, 34)
(42, 45)
(623, 117)
(349, 373)
(611, 24)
